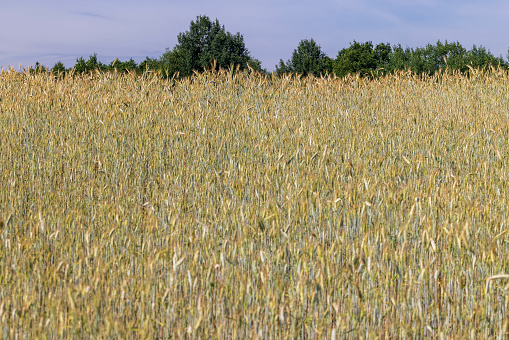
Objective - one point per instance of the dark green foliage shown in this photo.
(432, 58)
(479, 57)
(38, 68)
(149, 65)
(174, 62)
(86, 66)
(256, 65)
(399, 58)
(283, 67)
(205, 42)
(307, 58)
(382, 56)
(123, 66)
(453, 56)
(58, 69)
(448, 56)
(356, 59)
(362, 59)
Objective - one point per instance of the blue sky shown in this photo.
(58, 30)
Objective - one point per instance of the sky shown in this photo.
(63, 30)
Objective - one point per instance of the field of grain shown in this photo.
(242, 206)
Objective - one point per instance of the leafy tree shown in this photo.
(86, 66)
(454, 56)
(418, 61)
(175, 62)
(283, 67)
(122, 66)
(430, 59)
(38, 68)
(256, 65)
(205, 42)
(149, 64)
(358, 58)
(479, 57)
(58, 69)
(399, 59)
(382, 54)
(307, 58)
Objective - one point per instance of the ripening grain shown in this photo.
(241, 206)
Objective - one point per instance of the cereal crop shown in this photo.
(237, 205)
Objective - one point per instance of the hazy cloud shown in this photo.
(95, 15)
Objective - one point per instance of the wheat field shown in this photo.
(236, 205)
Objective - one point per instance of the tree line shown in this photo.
(207, 44)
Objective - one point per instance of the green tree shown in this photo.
(356, 59)
(122, 66)
(58, 69)
(441, 56)
(175, 62)
(430, 59)
(38, 68)
(382, 54)
(479, 57)
(454, 56)
(86, 66)
(307, 58)
(399, 59)
(419, 62)
(256, 65)
(205, 42)
(149, 64)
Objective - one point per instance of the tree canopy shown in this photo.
(358, 58)
(364, 60)
(307, 58)
(205, 42)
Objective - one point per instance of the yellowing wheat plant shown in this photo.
(237, 205)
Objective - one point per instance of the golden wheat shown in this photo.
(245, 206)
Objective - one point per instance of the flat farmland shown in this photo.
(247, 206)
